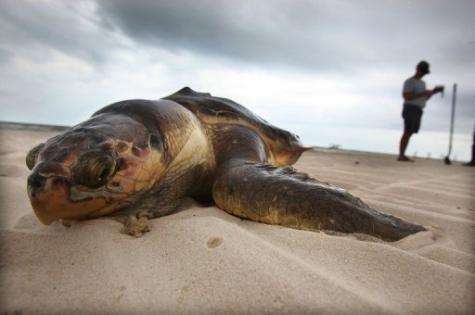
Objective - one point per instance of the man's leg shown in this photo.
(412, 122)
(403, 145)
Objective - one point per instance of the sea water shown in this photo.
(425, 144)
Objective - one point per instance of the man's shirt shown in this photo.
(415, 86)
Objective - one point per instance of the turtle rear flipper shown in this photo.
(248, 187)
(263, 193)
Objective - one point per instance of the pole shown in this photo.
(452, 118)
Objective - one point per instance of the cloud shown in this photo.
(38, 28)
(325, 36)
(318, 63)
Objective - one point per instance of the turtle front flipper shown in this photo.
(248, 187)
(136, 225)
(264, 193)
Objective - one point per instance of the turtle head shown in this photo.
(86, 173)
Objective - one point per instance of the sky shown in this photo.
(331, 71)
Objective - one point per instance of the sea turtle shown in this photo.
(139, 158)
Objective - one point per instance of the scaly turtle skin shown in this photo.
(139, 158)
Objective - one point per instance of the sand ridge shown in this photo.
(203, 260)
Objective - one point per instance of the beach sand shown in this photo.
(203, 260)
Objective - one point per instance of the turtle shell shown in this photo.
(212, 110)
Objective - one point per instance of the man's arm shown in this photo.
(408, 96)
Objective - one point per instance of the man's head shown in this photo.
(422, 68)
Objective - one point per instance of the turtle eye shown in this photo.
(93, 169)
(155, 142)
(32, 156)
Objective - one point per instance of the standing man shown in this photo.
(415, 97)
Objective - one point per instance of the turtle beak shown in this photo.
(49, 190)
(47, 194)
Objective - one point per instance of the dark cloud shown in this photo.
(315, 36)
(312, 35)
(255, 32)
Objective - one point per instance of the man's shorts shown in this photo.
(412, 118)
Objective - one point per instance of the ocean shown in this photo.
(432, 144)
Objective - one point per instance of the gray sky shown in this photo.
(324, 63)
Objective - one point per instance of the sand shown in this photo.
(203, 260)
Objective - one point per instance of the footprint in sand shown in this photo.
(214, 242)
